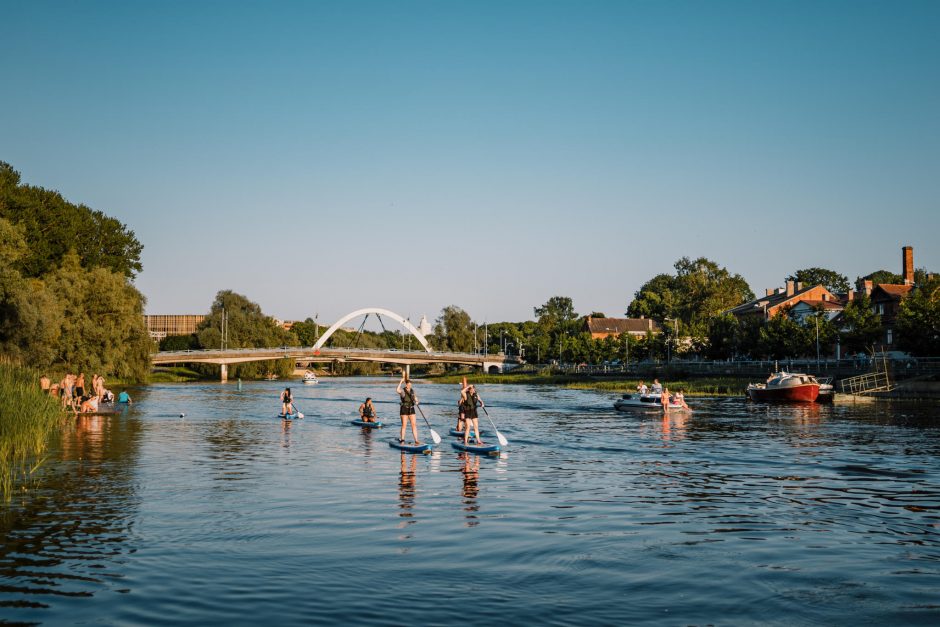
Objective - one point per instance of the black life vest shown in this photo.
(367, 410)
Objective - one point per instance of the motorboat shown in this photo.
(787, 387)
(310, 377)
(631, 402)
(826, 390)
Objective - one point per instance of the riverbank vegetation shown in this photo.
(67, 299)
(27, 416)
(706, 386)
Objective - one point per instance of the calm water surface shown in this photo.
(736, 514)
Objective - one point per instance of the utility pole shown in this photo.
(816, 318)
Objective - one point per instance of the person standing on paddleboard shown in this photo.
(470, 414)
(287, 402)
(367, 411)
(407, 410)
(462, 409)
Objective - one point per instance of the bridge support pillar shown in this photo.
(492, 367)
(224, 373)
(407, 372)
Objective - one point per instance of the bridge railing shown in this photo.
(289, 350)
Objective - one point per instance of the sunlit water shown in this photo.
(737, 513)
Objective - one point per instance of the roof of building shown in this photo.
(825, 304)
(894, 291)
(621, 325)
(762, 303)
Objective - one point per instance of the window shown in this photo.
(890, 336)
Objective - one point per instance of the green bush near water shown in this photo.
(27, 416)
(711, 386)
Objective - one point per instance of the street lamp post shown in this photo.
(816, 318)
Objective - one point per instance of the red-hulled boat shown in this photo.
(785, 386)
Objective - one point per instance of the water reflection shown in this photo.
(471, 487)
(407, 482)
(69, 538)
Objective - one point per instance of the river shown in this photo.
(737, 513)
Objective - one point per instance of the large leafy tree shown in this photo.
(453, 330)
(699, 291)
(53, 226)
(879, 276)
(861, 327)
(830, 279)
(103, 321)
(246, 327)
(918, 320)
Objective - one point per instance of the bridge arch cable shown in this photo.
(379, 312)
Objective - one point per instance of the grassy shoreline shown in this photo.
(707, 386)
(27, 418)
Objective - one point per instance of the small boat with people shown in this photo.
(631, 402)
(786, 387)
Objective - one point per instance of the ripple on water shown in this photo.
(734, 513)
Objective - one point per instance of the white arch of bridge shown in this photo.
(380, 312)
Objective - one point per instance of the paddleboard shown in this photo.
(459, 434)
(371, 425)
(290, 416)
(410, 448)
(484, 449)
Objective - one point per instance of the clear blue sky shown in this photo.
(324, 156)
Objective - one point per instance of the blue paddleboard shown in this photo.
(371, 425)
(484, 449)
(289, 416)
(410, 448)
(459, 434)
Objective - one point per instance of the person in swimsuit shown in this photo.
(367, 411)
(470, 414)
(79, 389)
(287, 402)
(461, 409)
(89, 405)
(407, 409)
(664, 399)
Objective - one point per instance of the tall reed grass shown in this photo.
(27, 417)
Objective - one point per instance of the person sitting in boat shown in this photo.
(470, 415)
(642, 389)
(124, 397)
(287, 402)
(657, 388)
(367, 411)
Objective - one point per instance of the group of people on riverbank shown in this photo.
(73, 393)
(665, 398)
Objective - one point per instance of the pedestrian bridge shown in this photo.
(319, 352)
(310, 354)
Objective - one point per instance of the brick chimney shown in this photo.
(769, 291)
(907, 265)
(851, 295)
(867, 285)
(791, 285)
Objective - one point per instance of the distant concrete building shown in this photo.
(601, 328)
(160, 326)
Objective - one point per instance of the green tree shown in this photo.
(307, 332)
(879, 276)
(918, 321)
(860, 325)
(453, 330)
(656, 299)
(830, 279)
(782, 337)
(246, 327)
(103, 323)
(52, 227)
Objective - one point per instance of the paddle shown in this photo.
(434, 435)
(499, 436)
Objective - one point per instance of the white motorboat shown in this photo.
(310, 377)
(631, 402)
